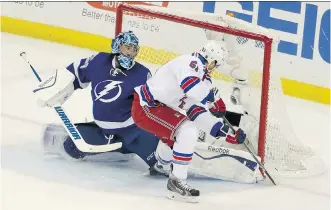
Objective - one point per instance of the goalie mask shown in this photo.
(215, 53)
(126, 45)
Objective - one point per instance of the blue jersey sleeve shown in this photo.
(80, 70)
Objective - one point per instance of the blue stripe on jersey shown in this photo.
(202, 59)
(147, 96)
(188, 83)
(209, 97)
(194, 111)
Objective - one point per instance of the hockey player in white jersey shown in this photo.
(184, 84)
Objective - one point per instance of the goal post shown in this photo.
(174, 27)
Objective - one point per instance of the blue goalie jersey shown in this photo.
(112, 90)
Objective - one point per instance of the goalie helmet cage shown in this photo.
(277, 146)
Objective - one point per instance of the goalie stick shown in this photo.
(71, 128)
(250, 151)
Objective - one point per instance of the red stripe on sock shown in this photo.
(182, 158)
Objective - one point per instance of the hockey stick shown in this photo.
(250, 151)
(71, 128)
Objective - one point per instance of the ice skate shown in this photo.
(179, 190)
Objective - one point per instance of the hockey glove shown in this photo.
(237, 137)
(218, 108)
(216, 94)
(56, 89)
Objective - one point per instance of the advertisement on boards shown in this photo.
(303, 27)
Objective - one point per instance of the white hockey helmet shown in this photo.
(214, 51)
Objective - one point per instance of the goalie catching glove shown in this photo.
(56, 89)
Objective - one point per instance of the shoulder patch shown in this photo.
(87, 61)
(194, 65)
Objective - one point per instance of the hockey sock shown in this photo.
(183, 149)
(163, 153)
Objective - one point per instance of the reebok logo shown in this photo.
(47, 81)
(218, 150)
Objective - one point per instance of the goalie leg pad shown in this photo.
(225, 163)
(56, 141)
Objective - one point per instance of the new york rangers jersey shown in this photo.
(182, 78)
(182, 84)
(112, 89)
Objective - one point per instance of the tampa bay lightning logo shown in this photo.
(107, 91)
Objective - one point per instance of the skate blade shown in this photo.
(178, 197)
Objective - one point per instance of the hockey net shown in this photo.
(167, 33)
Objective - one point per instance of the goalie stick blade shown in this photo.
(84, 147)
(78, 139)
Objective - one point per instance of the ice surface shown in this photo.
(32, 181)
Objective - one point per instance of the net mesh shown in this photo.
(164, 39)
